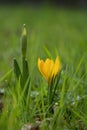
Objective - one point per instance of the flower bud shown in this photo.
(24, 41)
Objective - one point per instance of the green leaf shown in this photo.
(17, 69)
(48, 52)
(25, 70)
(6, 75)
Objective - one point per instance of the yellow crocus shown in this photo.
(49, 68)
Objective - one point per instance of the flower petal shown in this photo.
(56, 66)
(43, 68)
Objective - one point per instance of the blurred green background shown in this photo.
(58, 29)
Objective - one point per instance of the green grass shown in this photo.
(51, 31)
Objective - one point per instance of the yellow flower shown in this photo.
(49, 68)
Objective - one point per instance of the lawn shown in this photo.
(50, 32)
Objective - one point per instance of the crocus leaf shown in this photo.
(17, 70)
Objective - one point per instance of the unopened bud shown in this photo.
(24, 41)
